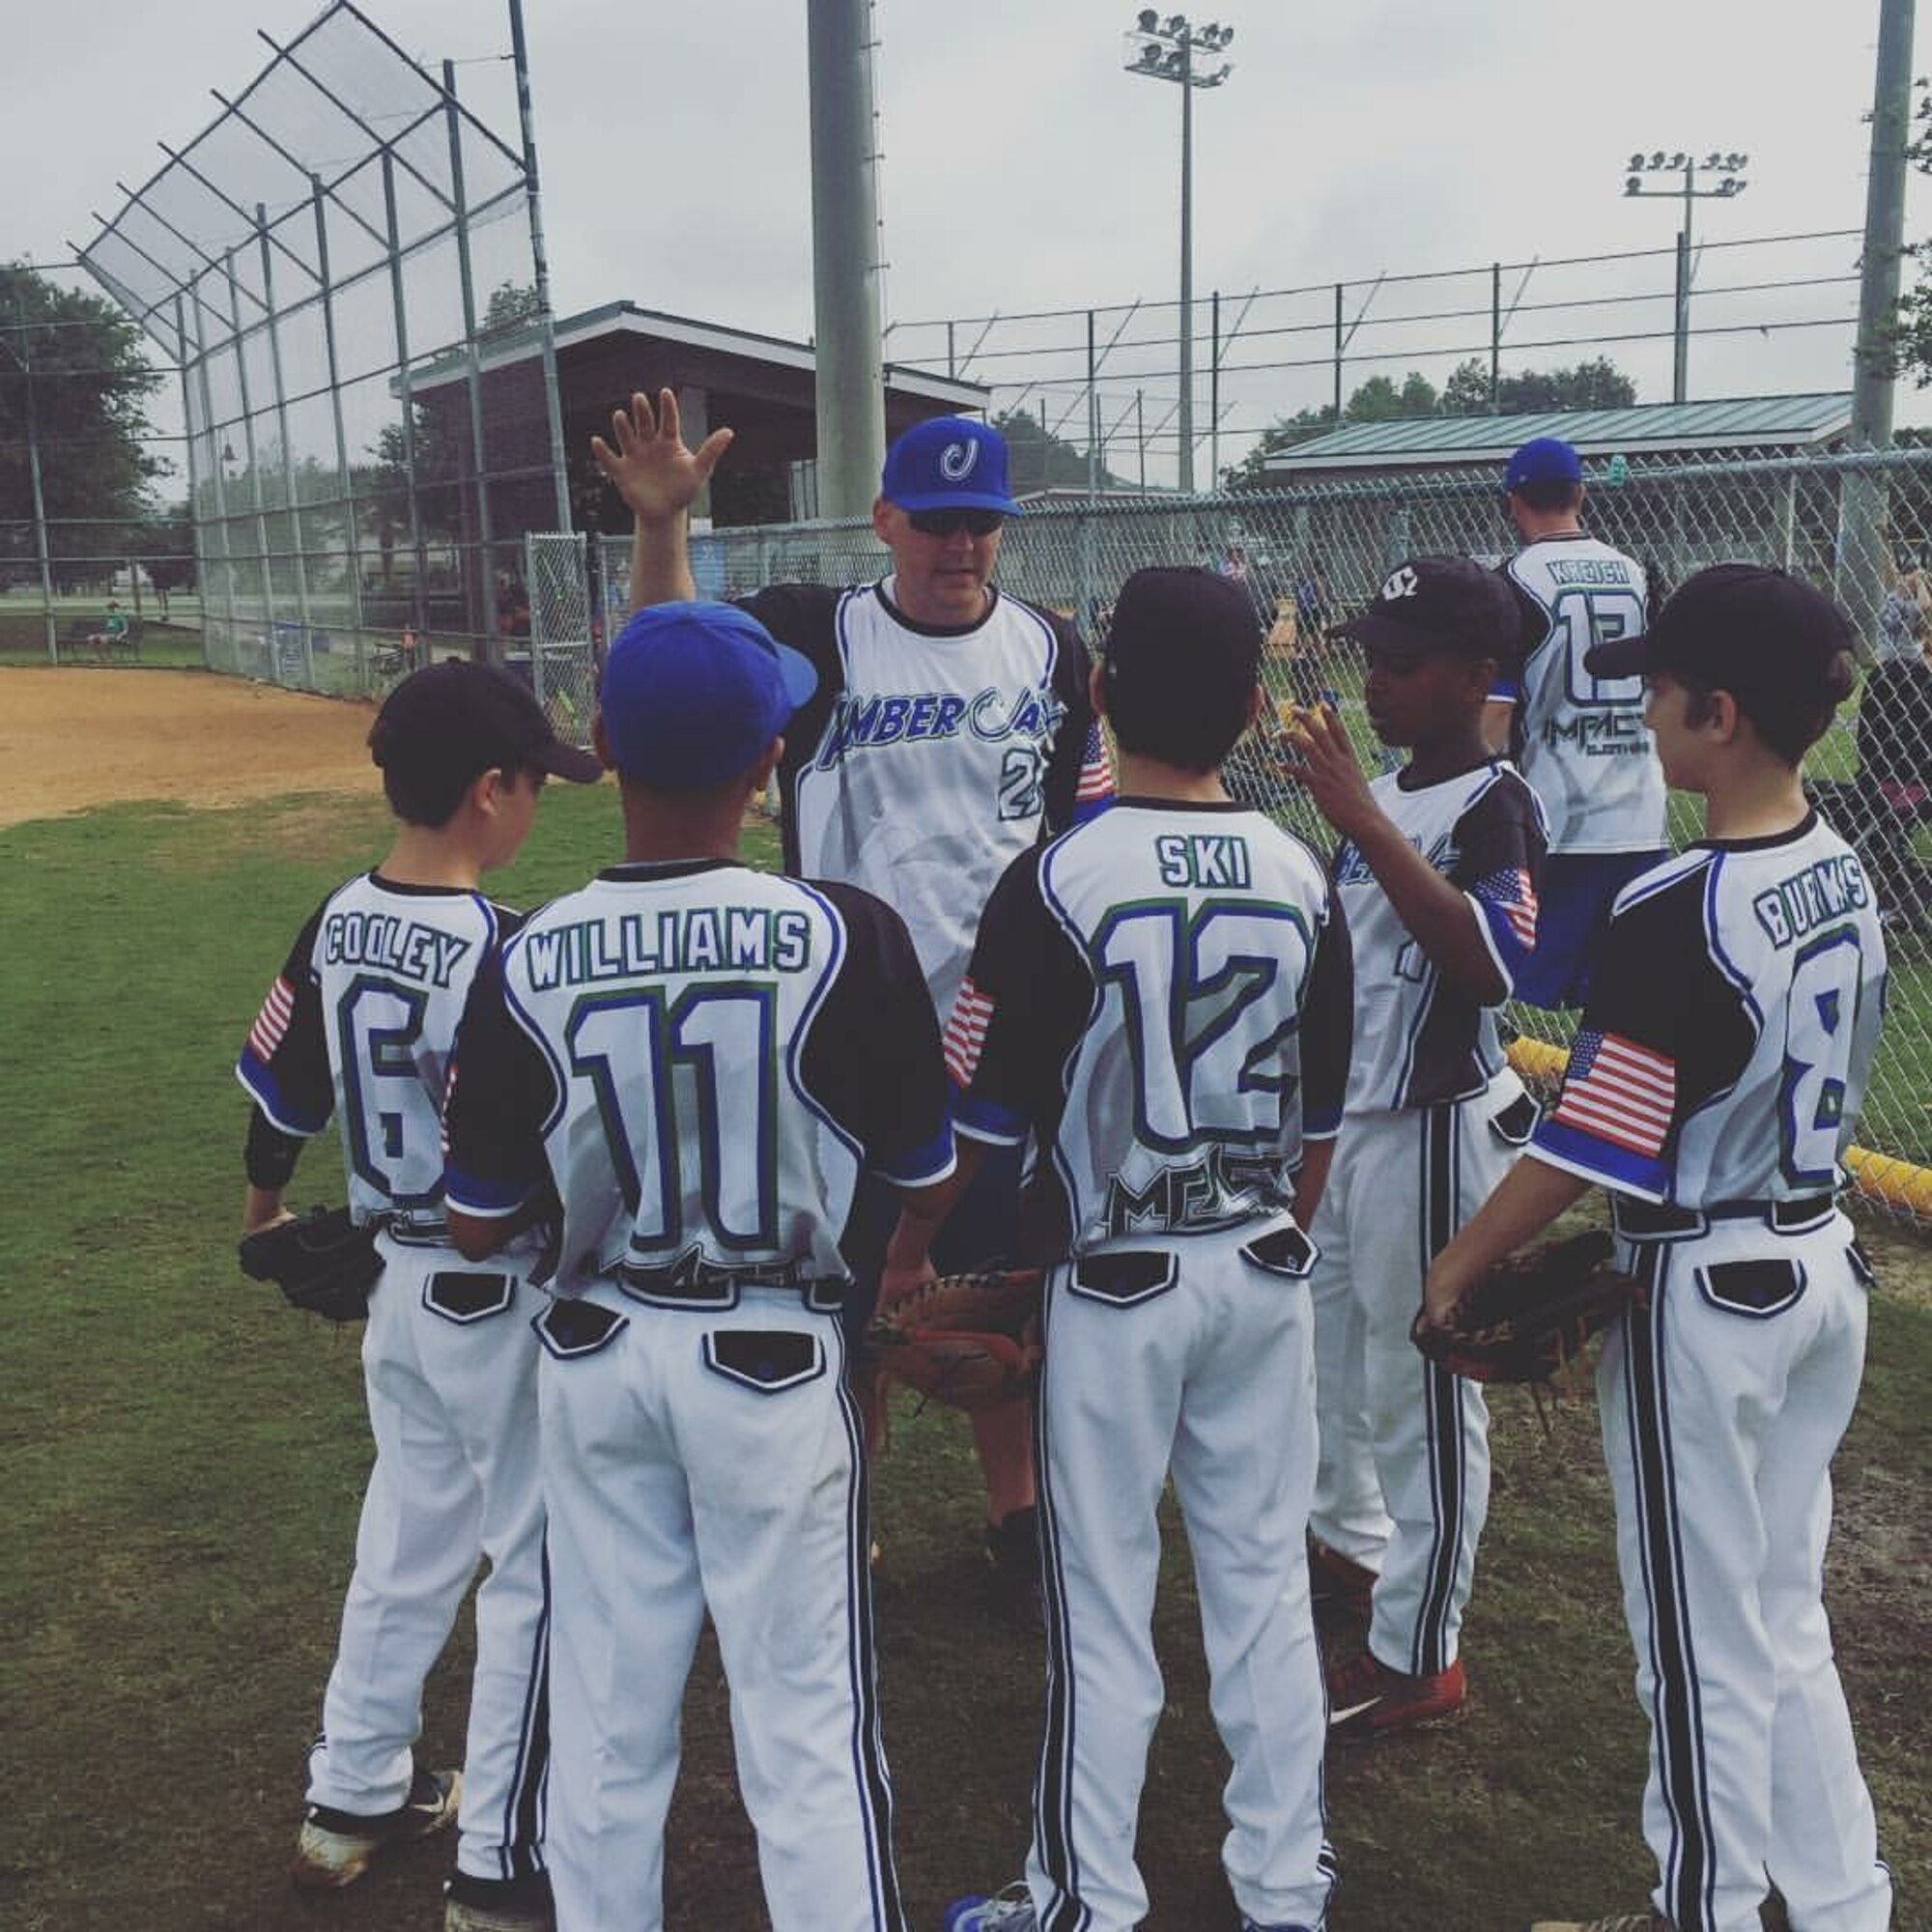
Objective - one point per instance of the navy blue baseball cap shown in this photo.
(1544, 459)
(1742, 627)
(459, 719)
(948, 463)
(1433, 604)
(694, 692)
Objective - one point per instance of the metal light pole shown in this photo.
(1732, 184)
(1165, 49)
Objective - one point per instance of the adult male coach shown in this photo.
(1579, 738)
(950, 731)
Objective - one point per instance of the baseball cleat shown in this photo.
(1337, 1584)
(1013, 1550)
(1009, 1910)
(1367, 1699)
(1617, 1921)
(473, 1904)
(335, 1847)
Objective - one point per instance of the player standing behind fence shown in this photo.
(1713, 1089)
(1436, 870)
(360, 1024)
(1162, 997)
(705, 1059)
(950, 731)
(1579, 739)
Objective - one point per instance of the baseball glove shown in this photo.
(321, 1261)
(1532, 1313)
(971, 1341)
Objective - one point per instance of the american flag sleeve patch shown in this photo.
(966, 1031)
(1508, 893)
(1096, 769)
(1616, 1091)
(272, 1021)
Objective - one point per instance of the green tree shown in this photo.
(1376, 400)
(1908, 341)
(1596, 384)
(73, 365)
(511, 306)
(1039, 460)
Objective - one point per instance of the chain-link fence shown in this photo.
(1858, 525)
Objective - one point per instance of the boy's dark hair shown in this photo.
(1181, 660)
(442, 727)
(1546, 493)
(1778, 645)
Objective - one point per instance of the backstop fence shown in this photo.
(1858, 524)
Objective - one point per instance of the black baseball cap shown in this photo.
(1186, 632)
(1742, 627)
(1438, 604)
(458, 718)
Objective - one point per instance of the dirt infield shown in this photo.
(74, 738)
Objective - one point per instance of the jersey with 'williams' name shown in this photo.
(1729, 1037)
(1578, 739)
(360, 1024)
(1419, 1039)
(928, 759)
(704, 1059)
(1163, 997)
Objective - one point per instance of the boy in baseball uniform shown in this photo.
(703, 1060)
(1436, 870)
(1163, 997)
(359, 1024)
(1712, 1090)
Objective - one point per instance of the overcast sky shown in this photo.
(1024, 171)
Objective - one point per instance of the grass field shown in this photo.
(186, 1456)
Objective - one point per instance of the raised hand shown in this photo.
(649, 465)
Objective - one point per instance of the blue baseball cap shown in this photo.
(694, 692)
(1544, 459)
(948, 463)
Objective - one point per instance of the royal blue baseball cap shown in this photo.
(694, 692)
(1544, 459)
(948, 463)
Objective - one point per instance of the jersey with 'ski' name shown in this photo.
(1580, 740)
(704, 1059)
(1419, 1039)
(928, 759)
(1162, 996)
(1731, 1023)
(359, 1024)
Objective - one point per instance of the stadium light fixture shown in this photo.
(1165, 50)
(1727, 164)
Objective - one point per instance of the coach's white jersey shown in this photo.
(1580, 740)
(361, 1023)
(931, 775)
(1728, 1038)
(1146, 997)
(709, 1056)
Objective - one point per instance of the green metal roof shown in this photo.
(1413, 442)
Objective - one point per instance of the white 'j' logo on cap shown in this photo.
(956, 461)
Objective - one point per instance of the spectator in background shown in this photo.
(1901, 618)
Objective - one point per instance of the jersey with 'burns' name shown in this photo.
(1728, 1038)
(704, 1057)
(359, 1024)
(1419, 1039)
(1162, 996)
(928, 759)
(1580, 740)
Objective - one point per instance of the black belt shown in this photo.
(1645, 1221)
(708, 1287)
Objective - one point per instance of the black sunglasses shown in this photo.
(949, 522)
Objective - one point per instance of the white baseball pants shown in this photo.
(1403, 1488)
(1722, 1404)
(1194, 1360)
(705, 1459)
(450, 1367)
